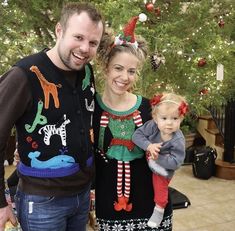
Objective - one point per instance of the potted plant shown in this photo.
(189, 129)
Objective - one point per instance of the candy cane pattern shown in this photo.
(104, 120)
(137, 119)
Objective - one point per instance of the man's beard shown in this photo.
(66, 60)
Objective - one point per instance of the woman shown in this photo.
(124, 193)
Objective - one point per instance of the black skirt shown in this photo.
(141, 197)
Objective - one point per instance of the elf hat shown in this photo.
(128, 35)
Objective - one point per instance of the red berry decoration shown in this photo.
(149, 6)
(201, 62)
(29, 139)
(221, 23)
(34, 145)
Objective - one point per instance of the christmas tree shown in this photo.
(192, 50)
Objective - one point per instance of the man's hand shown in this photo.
(154, 149)
(6, 214)
(16, 157)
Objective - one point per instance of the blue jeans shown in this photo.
(43, 213)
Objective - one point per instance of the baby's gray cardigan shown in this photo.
(172, 152)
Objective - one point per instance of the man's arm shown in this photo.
(15, 96)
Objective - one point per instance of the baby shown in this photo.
(164, 142)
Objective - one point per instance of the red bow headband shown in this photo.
(155, 100)
(183, 107)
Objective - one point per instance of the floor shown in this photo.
(212, 202)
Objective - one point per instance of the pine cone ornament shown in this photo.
(156, 60)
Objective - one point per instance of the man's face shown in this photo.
(77, 43)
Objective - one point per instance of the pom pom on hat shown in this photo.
(142, 17)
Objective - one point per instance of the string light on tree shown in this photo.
(5, 3)
(180, 52)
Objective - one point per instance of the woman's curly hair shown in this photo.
(107, 50)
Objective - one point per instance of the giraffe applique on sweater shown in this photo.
(48, 88)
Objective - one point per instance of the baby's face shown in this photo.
(167, 118)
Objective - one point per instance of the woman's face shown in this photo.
(121, 73)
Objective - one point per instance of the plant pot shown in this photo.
(189, 138)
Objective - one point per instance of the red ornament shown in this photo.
(157, 11)
(221, 23)
(201, 62)
(149, 6)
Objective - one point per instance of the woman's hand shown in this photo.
(6, 214)
(16, 157)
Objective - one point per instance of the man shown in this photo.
(49, 98)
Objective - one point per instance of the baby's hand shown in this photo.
(154, 149)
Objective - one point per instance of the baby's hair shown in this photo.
(172, 98)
